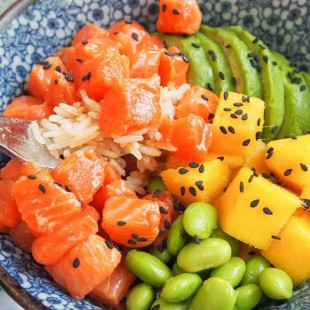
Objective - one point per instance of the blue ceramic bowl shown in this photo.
(32, 30)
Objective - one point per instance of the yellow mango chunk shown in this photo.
(237, 124)
(253, 209)
(289, 160)
(197, 182)
(291, 252)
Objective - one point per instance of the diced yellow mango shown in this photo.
(253, 209)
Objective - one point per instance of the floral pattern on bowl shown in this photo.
(45, 26)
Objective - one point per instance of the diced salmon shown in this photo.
(85, 266)
(22, 236)
(89, 31)
(131, 104)
(82, 172)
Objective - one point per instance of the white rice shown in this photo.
(75, 127)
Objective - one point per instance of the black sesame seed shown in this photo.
(239, 112)
(68, 188)
(251, 178)
(274, 130)
(58, 184)
(183, 170)
(204, 97)
(47, 66)
(254, 203)
(201, 168)
(258, 135)
(265, 175)
(211, 116)
(287, 172)
(258, 122)
(167, 224)
(231, 129)
(68, 77)
(306, 203)
(269, 155)
(144, 239)
(58, 69)
(302, 88)
(135, 36)
(273, 178)
(55, 81)
(176, 12)
(185, 59)
(225, 95)
(227, 109)
(233, 115)
(234, 80)
(86, 76)
(192, 190)
(223, 130)
(210, 52)
(303, 167)
(157, 192)
(275, 237)
(199, 185)
(253, 63)
(122, 299)
(213, 57)
(228, 46)
(156, 307)
(196, 239)
(192, 164)
(265, 58)
(246, 142)
(241, 187)
(42, 188)
(84, 41)
(164, 7)
(255, 40)
(221, 75)
(274, 63)
(221, 158)
(251, 253)
(270, 150)
(79, 59)
(182, 190)
(43, 62)
(132, 242)
(31, 176)
(238, 104)
(134, 236)
(121, 223)
(196, 45)
(209, 86)
(116, 32)
(244, 98)
(244, 117)
(109, 244)
(76, 263)
(163, 210)
(128, 22)
(267, 211)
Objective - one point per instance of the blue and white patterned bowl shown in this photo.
(32, 30)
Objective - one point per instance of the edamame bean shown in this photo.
(148, 267)
(234, 244)
(163, 255)
(254, 266)
(140, 297)
(232, 271)
(276, 283)
(154, 184)
(180, 287)
(161, 304)
(199, 219)
(209, 253)
(214, 294)
(248, 297)
(177, 236)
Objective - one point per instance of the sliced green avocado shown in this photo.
(219, 63)
(199, 69)
(297, 100)
(248, 80)
(273, 87)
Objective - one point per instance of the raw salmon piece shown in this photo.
(131, 222)
(116, 188)
(87, 32)
(48, 248)
(145, 64)
(199, 101)
(82, 173)
(9, 214)
(130, 105)
(22, 236)
(14, 169)
(41, 76)
(27, 107)
(42, 203)
(113, 290)
(85, 266)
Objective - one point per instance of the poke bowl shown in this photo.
(33, 31)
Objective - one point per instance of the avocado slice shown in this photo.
(247, 77)
(199, 70)
(219, 63)
(273, 87)
(297, 100)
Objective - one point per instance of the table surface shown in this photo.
(6, 302)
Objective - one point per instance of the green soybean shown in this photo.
(214, 294)
(209, 253)
(248, 297)
(161, 304)
(140, 297)
(156, 184)
(199, 219)
(181, 287)
(276, 283)
(163, 255)
(148, 267)
(254, 266)
(177, 236)
(234, 244)
(232, 271)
